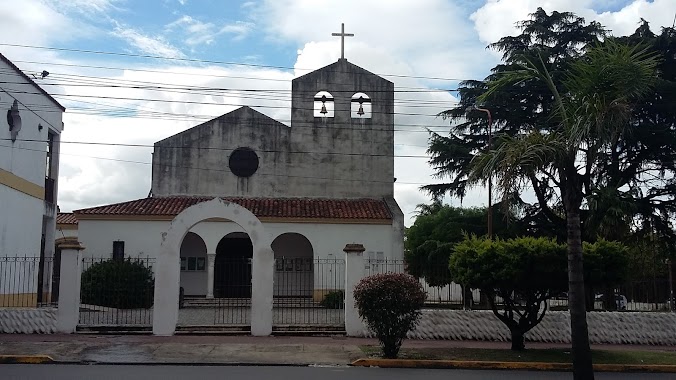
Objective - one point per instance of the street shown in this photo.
(133, 372)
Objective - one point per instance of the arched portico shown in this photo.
(165, 312)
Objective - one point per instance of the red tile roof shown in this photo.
(66, 218)
(356, 209)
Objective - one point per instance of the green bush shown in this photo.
(122, 284)
(334, 300)
(390, 303)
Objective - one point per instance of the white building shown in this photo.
(29, 171)
(322, 182)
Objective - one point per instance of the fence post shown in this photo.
(69, 287)
(354, 272)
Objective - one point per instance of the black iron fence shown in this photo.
(232, 291)
(28, 281)
(117, 291)
(635, 295)
(309, 291)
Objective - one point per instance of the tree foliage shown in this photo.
(523, 272)
(571, 134)
(390, 304)
(635, 183)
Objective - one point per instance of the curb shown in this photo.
(530, 366)
(26, 359)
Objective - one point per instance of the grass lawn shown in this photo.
(534, 355)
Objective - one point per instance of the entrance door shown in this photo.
(232, 268)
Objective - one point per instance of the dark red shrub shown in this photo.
(390, 304)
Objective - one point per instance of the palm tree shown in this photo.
(592, 108)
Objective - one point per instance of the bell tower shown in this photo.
(342, 117)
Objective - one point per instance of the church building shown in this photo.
(323, 182)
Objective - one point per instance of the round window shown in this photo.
(243, 162)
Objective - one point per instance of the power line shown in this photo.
(193, 60)
(223, 149)
(216, 169)
(35, 113)
(195, 102)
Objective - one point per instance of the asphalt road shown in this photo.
(133, 372)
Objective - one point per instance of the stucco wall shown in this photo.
(25, 157)
(144, 237)
(328, 240)
(20, 223)
(22, 167)
(339, 157)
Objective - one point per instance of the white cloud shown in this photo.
(197, 32)
(498, 18)
(146, 44)
(425, 38)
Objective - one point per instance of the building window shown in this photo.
(118, 250)
(323, 105)
(193, 264)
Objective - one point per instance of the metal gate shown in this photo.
(230, 307)
(308, 294)
(232, 290)
(116, 293)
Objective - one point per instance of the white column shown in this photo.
(69, 288)
(354, 272)
(211, 262)
(262, 278)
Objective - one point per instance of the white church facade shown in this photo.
(323, 182)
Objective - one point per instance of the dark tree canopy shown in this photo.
(635, 186)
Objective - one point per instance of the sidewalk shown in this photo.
(183, 349)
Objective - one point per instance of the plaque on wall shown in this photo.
(243, 162)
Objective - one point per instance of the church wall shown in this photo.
(141, 238)
(350, 157)
(201, 166)
(337, 157)
(144, 237)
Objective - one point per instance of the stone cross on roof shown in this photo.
(342, 36)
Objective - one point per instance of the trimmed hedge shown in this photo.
(122, 284)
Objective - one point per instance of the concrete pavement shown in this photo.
(223, 349)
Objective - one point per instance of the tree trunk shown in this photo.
(582, 360)
(517, 340)
(609, 303)
(467, 298)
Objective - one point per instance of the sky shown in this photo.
(98, 52)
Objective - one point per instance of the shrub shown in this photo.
(122, 284)
(390, 303)
(334, 300)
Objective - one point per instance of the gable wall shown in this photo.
(339, 157)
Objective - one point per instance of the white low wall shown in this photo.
(604, 327)
(27, 321)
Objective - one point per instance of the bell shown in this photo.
(360, 111)
(323, 110)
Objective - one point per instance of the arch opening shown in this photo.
(193, 254)
(232, 267)
(167, 279)
(360, 106)
(294, 265)
(324, 105)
